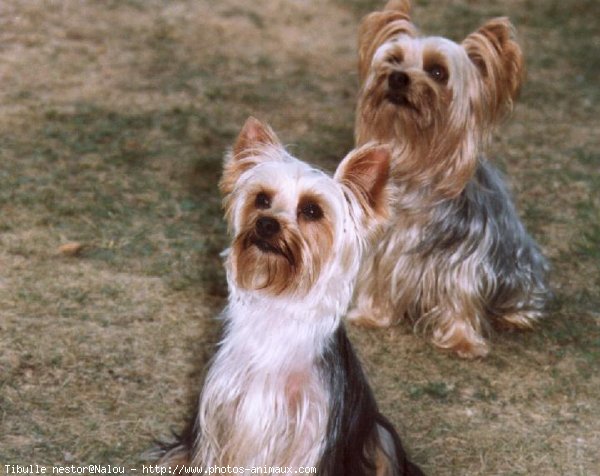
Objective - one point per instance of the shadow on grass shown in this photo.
(138, 188)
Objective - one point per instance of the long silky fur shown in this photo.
(355, 422)
(456, 267)
(483, 224)
(354, 426)
(455, 258)
(285, 387)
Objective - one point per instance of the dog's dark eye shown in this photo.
(438, 73)
(263, 201)
(311, 211)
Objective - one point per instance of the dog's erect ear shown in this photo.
(365, 173)
(377, 27)
(499, 59)
(253, 136)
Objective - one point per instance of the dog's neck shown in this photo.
(440, 159)
(295, 331)
(293, 326)
(425, 174)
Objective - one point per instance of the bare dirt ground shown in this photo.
(113, 119)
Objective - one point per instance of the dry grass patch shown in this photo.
(113, 123)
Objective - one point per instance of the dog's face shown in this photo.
(411, 82)
(438, 98)
(416, 85)
(292, 223)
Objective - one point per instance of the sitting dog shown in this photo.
(455, 258)
(285, 388)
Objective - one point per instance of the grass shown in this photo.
(114, 122)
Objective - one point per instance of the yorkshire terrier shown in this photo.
(285, 388)
(455, 259)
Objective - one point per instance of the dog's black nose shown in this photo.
(266, 227)
(398, 80)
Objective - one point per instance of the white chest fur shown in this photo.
(264, 401)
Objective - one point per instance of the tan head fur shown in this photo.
(499, 59)
(287, 218)
(436, 101)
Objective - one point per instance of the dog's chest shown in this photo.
(275, 416)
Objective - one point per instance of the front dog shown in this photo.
(285, 388)
(456, 258)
